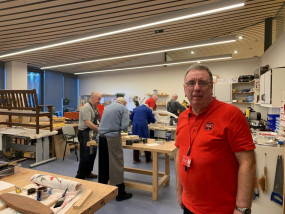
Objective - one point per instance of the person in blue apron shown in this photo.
(89, 118)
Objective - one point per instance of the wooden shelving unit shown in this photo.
(241, 96)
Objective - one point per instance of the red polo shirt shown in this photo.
(210, 184)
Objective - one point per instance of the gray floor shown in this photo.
(141, 202)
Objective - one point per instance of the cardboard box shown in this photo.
(29, 154)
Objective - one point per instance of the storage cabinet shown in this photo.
(272, 83)
(257, 91)
(265, 88)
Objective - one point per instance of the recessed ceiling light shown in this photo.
(159, 31)
(235, 52)
(192, 52)
(240, 37)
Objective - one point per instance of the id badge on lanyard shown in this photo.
(186, 160)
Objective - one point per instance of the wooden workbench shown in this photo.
(41, 147)
(101, 194)
(167, 148)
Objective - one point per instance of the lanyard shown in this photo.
(95, 109)
(192, 142)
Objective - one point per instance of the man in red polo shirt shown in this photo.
(215, 164)
(152, 102)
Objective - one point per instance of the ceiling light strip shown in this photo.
(149, 22)
(183, 46)
(222, 57)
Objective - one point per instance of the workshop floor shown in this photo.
(141, 202)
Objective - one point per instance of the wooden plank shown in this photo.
(167, 167)
(83, 198)
(154, 176)
(163, 181)
(141, 171)
(167, 147)
(140, 186)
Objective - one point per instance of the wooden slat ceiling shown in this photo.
(30, 22)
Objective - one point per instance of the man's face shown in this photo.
(96, 100)
(198, 89)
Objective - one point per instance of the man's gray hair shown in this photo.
(121, 99)
(199, 67)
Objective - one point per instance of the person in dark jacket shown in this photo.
(141, 117)
(174, 107)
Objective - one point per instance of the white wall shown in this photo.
(164, 79)
(16, 75)
(275, 55)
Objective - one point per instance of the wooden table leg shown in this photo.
(154, 175)
(167, 168)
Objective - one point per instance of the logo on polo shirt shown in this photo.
(209, 126)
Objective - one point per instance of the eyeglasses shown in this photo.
(201, 83)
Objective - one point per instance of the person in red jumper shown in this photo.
(215, 162)
(152, 102)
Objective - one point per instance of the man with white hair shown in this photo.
(111, 158)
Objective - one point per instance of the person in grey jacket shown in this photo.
(174, 107)
(111, 158)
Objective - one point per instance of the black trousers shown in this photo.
(136, 155)
(103, 161)
(186, 211)
(86, 162)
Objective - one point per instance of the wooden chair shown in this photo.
(70, 138)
